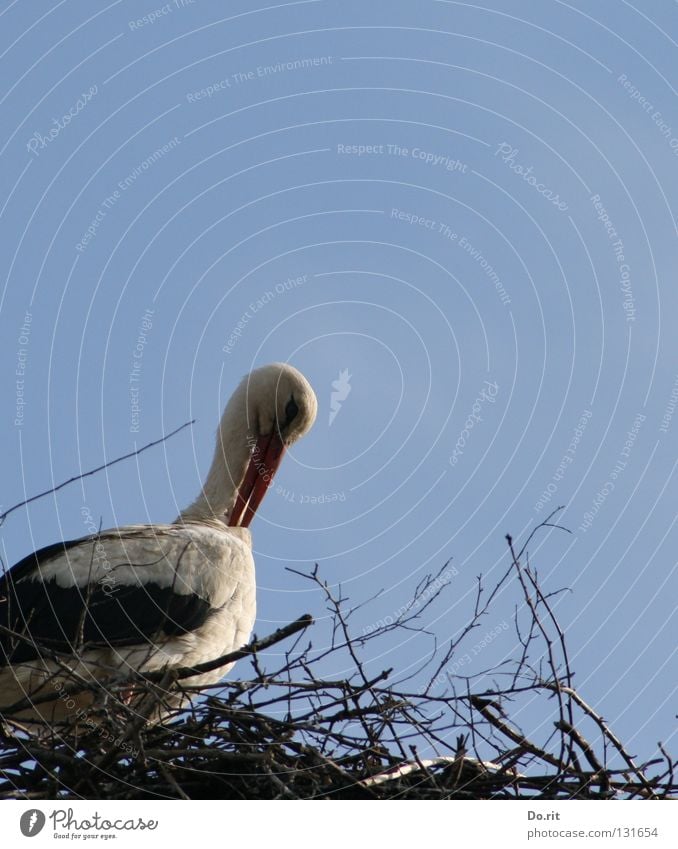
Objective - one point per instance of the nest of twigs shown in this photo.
(290, 733)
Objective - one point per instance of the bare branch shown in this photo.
(294, 730)
(56, 488)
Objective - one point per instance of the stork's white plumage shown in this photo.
(151, 597)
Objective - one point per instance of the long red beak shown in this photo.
(263, 465)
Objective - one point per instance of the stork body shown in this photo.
(150, 597)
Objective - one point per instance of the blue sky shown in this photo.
(468, 207)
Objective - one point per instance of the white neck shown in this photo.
(231, 458)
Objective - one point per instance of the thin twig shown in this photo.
(56, 488)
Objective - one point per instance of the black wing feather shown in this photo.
(48, 616)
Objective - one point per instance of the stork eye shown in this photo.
(291, 410)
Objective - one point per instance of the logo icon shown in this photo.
(341, 387)
(32, 822)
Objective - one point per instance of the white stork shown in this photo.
(152, 597)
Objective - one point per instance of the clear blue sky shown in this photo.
(476, 207)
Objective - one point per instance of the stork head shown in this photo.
(278, 400)
(277, 406)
